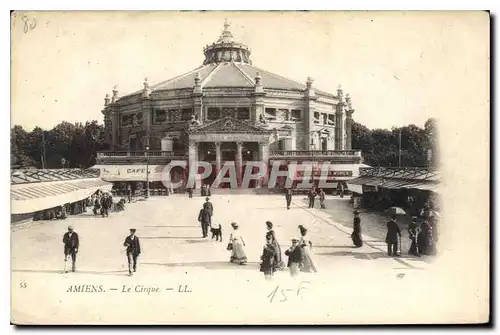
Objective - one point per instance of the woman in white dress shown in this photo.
(238, 253)
(308, 264)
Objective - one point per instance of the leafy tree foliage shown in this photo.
(66, 145)
(75, 145)
(380, 147)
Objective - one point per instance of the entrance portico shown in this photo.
(229, 139)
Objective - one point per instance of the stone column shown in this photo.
(239, 162)
(192, 152)
(198, 98)
(264, 157)
(218, 157)
(339, 120)
(310, 107)
(349, 121)
(114, 128)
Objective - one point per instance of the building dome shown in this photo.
(227, 64)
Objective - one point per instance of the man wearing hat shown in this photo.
(295, 258)
(393, 236)
(71, 244)
(356, 231)
(208, 205)
(133, 250)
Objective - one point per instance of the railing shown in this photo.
(308, 153)
(150, 153)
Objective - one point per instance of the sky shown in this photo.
(400, 68)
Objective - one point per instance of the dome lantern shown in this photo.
(226, 49)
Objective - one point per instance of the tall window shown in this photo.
(213, 113)
(296, 115)
(270, 113)
(243, 113)
(160, 116)
(186, 114)
(331, 119)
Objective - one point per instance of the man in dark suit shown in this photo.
(295, 257)
(210, 207)
(204, 218)
(393, 236)
(71, 245)
(312, 196)
(133, 250)
(288, 197)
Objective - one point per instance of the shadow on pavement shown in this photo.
(254, 266)
(118, 272)
(368, 255)
(171, 226)
(172, 238)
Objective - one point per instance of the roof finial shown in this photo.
(226, 36)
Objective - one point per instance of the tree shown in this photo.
(380, 147)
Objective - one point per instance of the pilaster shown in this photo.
(310, 107)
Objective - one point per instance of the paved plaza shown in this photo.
(175, 258)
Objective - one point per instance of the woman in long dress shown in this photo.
(356, 232)
(413, 231)
(307, 258)
(238, 252)
(268, 265)
(272, 235)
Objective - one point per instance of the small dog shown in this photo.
(216, 230)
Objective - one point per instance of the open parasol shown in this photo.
(395, 211)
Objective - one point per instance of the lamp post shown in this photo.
(147, 171)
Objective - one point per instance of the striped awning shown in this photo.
(32, 197)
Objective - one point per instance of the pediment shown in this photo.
(228, 125)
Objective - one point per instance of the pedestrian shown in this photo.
(268, 263)
(190, 192)
(71, 246)
(104, 205)
(392, 237)
(356, 232)
(288, 197)
(312, 195)
(322, 198)
(203, 190)
(236, 245)
(97, 205)
(210, 207)
(204, 219)
(295, 258)
(426, 243)
(306, 248)
(129, 193)
(133, 250)
(270, 234)
(414, 231)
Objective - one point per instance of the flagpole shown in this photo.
(399, 148)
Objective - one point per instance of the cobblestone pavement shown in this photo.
(174, 254)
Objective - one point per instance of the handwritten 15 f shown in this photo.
(282, 294)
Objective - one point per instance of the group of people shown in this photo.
(299, 254)
(311, 194)
(422, 237)
(103, 203)
(61, 212)
(71, 243)
(312, 197)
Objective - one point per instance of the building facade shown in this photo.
(227, 109)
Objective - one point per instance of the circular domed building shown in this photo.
(227, 109)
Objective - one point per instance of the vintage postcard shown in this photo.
(250, 168)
